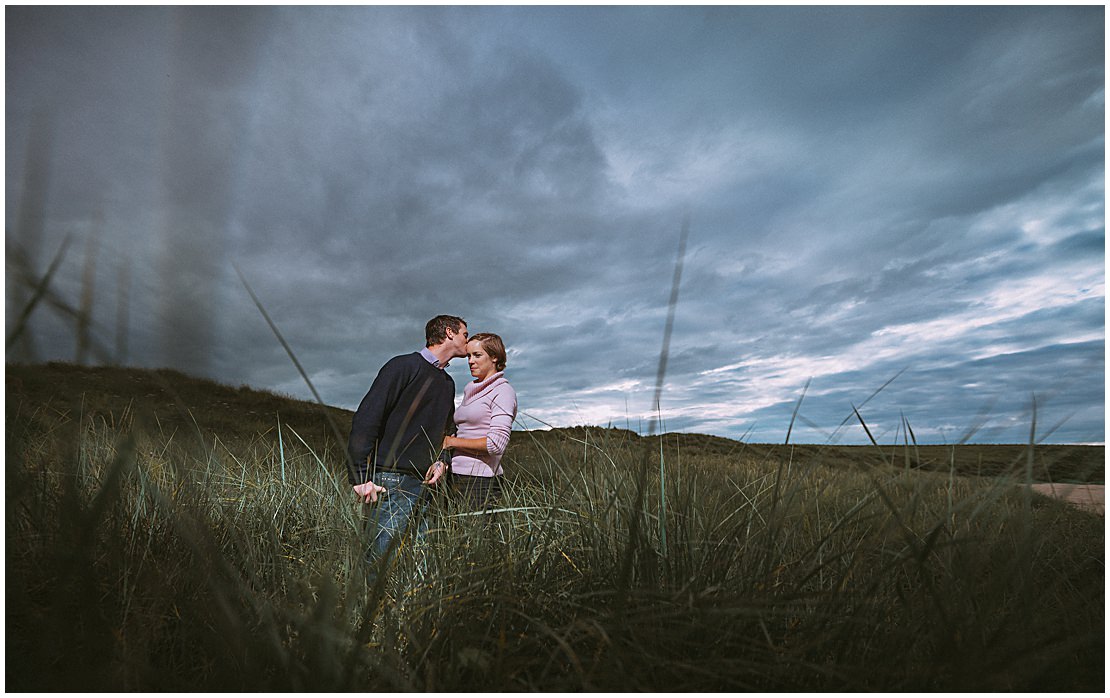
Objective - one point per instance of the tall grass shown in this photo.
(145, 557)
(177, 535)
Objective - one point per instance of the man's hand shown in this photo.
(435, 472)
(368, 492)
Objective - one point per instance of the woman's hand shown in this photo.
(435, 471)
(447, 443)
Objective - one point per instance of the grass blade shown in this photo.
(40, 291)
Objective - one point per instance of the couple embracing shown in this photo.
(407, 436)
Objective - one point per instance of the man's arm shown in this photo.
(443, 461)
(449, 429)
(369, 420)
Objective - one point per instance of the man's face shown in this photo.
(457, 341)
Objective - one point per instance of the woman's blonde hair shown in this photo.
(493, 346)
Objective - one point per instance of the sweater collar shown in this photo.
(475, 387)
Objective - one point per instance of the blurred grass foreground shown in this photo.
(170, 534)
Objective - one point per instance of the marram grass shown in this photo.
(146, 551)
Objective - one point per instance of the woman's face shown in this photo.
(481, 363)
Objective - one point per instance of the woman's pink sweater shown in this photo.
(487, 411)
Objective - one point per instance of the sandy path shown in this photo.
(1089, 497)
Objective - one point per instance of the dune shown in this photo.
(1088, 497)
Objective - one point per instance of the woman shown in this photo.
(484, 421)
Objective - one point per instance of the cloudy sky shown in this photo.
(901, 197)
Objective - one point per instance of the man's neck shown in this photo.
(443, 353)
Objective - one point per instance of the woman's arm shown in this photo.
(470, 445)
(503, 412)
(500, 427)
(496, 440)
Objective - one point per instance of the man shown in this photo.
(397, 434)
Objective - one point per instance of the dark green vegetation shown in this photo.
(1051, 462)
(165, 533)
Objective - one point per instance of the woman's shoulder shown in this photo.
(502, 385)
(503, 390)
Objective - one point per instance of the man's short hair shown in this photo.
(435, 332)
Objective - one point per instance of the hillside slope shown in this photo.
(173, 401)
(170, 400)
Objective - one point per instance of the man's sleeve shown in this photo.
(369, 419)
(449, 429)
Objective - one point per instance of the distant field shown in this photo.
(185, 403)
(165, 533)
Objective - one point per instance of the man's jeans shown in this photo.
(399, 513)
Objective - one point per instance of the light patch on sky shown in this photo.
(679, 167)
(1012, 301)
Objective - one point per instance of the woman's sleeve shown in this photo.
(501, 421)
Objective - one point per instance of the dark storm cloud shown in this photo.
(871, 191)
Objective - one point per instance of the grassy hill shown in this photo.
(171, 401)
(182, 404)
(169, 534)
(1050, 463)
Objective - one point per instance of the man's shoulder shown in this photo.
(414, 364)
(401, 365)
(409, 359)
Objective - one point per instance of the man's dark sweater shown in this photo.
(400, 424)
